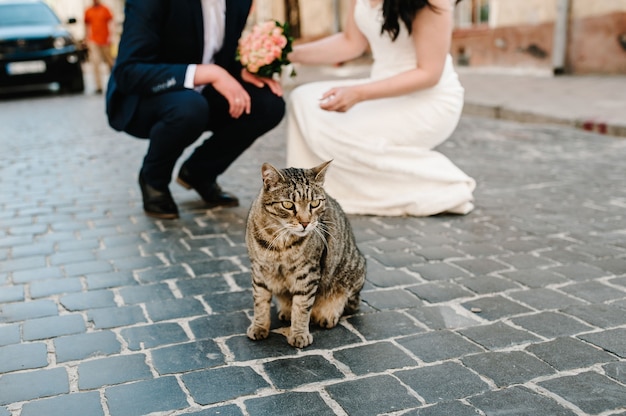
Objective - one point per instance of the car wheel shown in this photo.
(76, 85)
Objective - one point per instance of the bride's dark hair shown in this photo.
(395, 11)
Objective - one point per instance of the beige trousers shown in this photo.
(97, 55)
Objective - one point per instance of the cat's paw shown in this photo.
(300, 340)
(328, 322)
(257, 332)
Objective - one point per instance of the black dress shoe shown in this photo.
(156, 203)
(210, 191)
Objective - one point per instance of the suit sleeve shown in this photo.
(140, 68)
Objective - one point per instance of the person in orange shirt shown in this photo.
(97, 21)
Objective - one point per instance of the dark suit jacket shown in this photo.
(159, 39)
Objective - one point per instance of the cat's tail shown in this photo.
(352, 305)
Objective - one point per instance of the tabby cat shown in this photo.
(303, 252)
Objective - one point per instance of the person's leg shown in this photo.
(172, 121)
(107, 55)
(231, 137)
(96, 60)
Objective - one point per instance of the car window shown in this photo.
(26, 14)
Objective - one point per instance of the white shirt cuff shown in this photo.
(189, 76)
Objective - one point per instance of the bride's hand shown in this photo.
(340, 99)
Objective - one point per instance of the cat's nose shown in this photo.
(304, 225)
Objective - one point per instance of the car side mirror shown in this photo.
(71, 20)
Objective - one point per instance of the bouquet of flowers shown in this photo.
(263, 51)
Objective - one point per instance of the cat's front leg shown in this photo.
(260, 327)
(299, 335)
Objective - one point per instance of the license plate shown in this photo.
(28, 67)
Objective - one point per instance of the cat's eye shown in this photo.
(287, 204)
(316, 203)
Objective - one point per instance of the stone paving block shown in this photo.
(327, 339)
(545, 299)
(594, 292)
(121, 252)
(381, 325)
(616, 371)
(289, 373)
(438, 271)
(93, 344)
(157, 395)
(159, 274)
(77, 245)
(146, 293)
(551, 324)
(244, 349)
(85, 268)
(23, 263)
(372, 396)
(51, 327)
(219, 325)
(4, 411)
(397, 258)
(218, 266)
(17, 387)
(380, 276)
(174, 308)
(498, 335)
(579, 271)
(534, 278)
(390, 299)
(480, 266)
(203, 285)
(289, 404)
(230, 301)
(507, 368)
(569, 353)
(187, 357)
(10, 334)
(15, 312)
(36, 249)
(518, 401)
(119, 369)
(616, 266)
(455, 408)
(525, 261)
(487, 284)
(116, 317)
(437, 292)
(135, 263)
(44, 288)
(11, 293)
(437, 252)
(495, 307)
(69, 257)
(222, 384)
(40, 273)
(228, 410)
(591, 392)
(443, 382)
(438, 345)
(93, 299)
(21, 357)
(613, 341)
(110, 280)
(603, 316)
(153, 335)
(442, 317)
(374, 358)
(76, 404)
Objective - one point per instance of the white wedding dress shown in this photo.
(383, 162)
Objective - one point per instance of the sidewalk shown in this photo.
(591, 102)
(518, 308)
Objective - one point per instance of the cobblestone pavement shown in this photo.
(518, 308)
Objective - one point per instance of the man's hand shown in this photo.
(259, 82)
(224, 83)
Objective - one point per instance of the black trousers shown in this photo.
(172, 121)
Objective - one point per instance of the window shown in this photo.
(471, 13)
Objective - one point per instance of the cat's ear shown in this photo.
(271, 175)
(320, 171)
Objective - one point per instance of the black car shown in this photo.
(36, 49)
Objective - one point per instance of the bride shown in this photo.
(381, 131)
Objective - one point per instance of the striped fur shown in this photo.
(303, 254)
